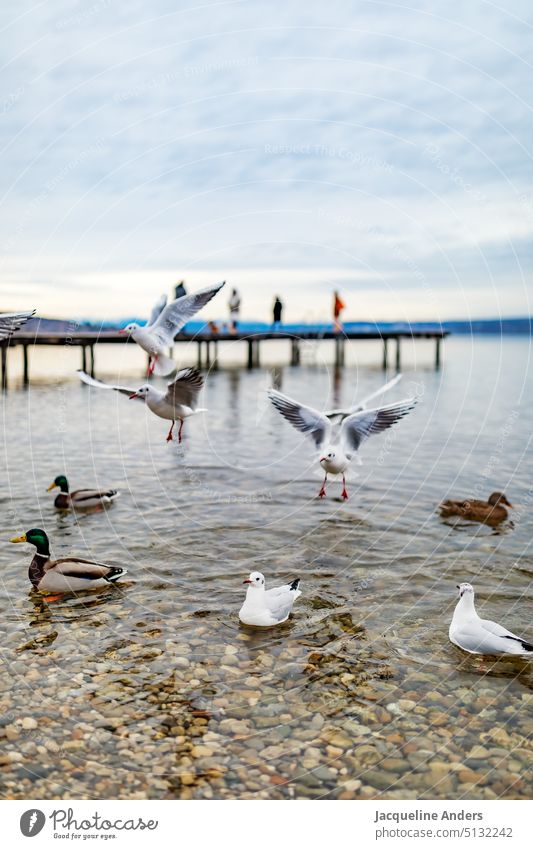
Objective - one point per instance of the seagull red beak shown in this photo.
(135, 395)
(121, 331)
(322, 459)
(247, 581)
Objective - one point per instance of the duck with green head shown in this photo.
(80, 498)
(68, 574)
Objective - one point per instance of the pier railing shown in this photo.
(208, 345)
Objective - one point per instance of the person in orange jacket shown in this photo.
(338, 306)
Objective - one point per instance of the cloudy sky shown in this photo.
(288, 147)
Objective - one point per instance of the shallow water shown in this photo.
(152, 688)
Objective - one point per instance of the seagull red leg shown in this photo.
(322, 492)
(344, 493)
(151, 365)
(169, 435)
(180, 430)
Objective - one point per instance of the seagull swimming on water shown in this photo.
(166, 320)
(265, 608)
(337, 449)
(178, 403)
(481, 636)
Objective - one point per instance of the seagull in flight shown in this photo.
(166, 320)
(176, 404)
(481, 636)
(11, 321)
(265, 608)
(338, 444)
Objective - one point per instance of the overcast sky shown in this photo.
(287, 147)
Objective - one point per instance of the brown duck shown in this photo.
(490, 512)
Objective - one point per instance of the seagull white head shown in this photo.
(256, 580)
(130, 328)
(143, 392)
(328, 457)
(465, 588)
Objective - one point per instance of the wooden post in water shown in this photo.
(250, 354)
(26, 373)
(215, 360)
(4, 366)
(83, 358)
(92, 360)
(385, 353)
(295, 352)
(398, 354)
(339, 352)
(437, 353)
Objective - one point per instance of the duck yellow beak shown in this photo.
(52, 486)
(18, 539)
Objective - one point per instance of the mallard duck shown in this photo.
(490, 512)
(80, 497)
(68, 574)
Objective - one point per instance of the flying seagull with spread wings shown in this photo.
(176, 404)
(338, 445)
(166, 320)
(11, 321)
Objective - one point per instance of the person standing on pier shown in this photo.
(338, 306)
(234, 305)
(277, 311)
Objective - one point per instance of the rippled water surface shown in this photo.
(151, 688)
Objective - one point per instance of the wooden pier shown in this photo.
(208, 345)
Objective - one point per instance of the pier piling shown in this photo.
(385, 354)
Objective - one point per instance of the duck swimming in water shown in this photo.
(68, 574)
(490, 512)
(80, 498)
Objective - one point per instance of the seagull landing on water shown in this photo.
(166, 320)
(265, 608)
(338, 444)
(178, 403)
(481, 636)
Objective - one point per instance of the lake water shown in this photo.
(151, 688)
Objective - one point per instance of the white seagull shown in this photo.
(265, 608)
(178, 403)
(481, 636)
(338, 449)
(11, 321)
(166, 320)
